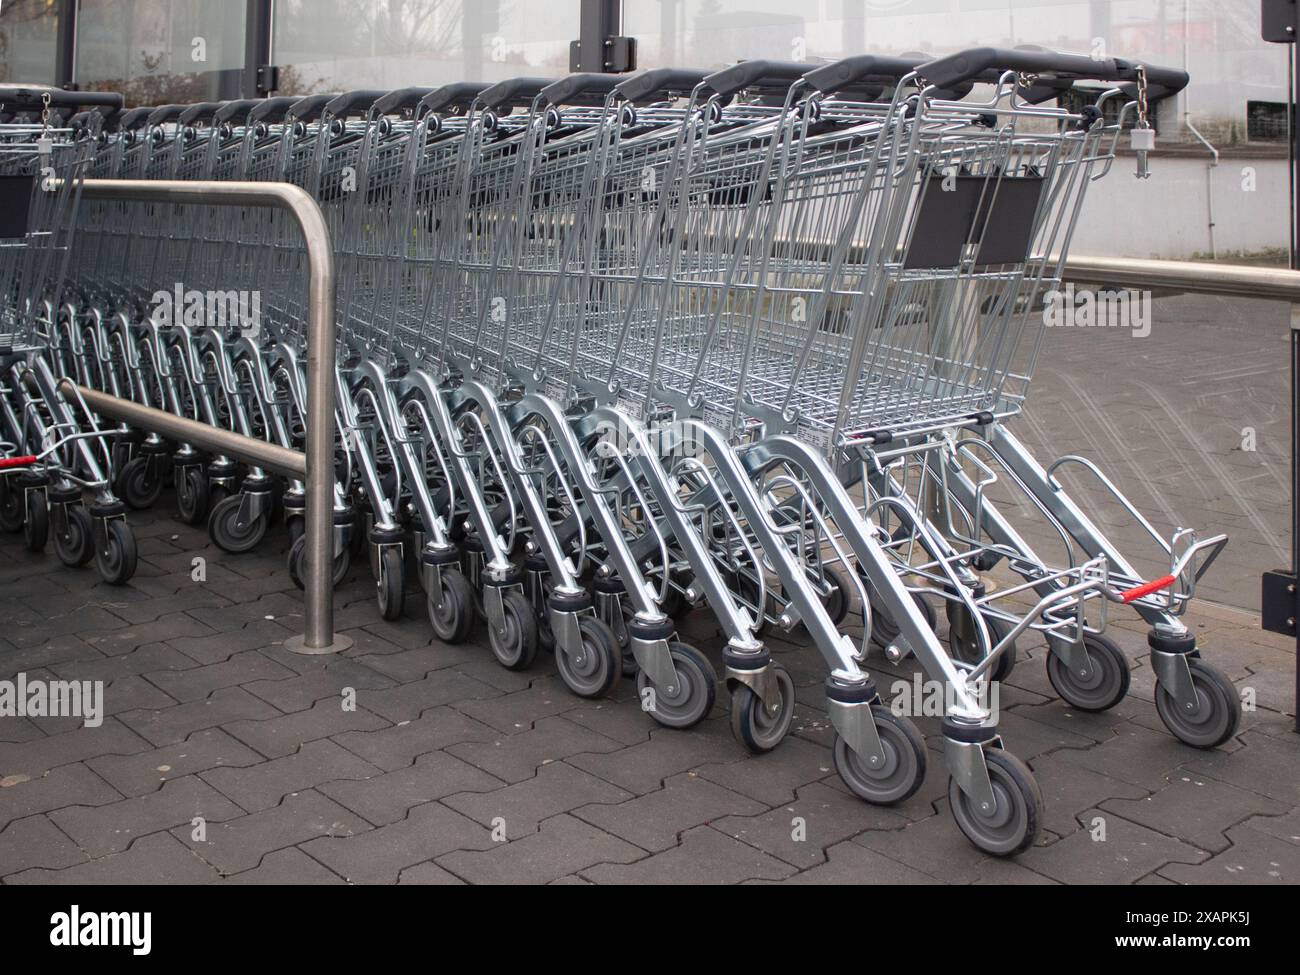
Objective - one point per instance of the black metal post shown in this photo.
(259, 77)
(65, 55)
(599, 46)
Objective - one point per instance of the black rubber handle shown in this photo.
(587, 88)
(136, 117)
(757, 74)
(838, 75)
(199, 112)
(460, 95)
(165, 114)
(954, 69)
(343, 105)
(1161, 82)
(514, 92)
(273, 109)
(33, 96)
(308, 109)
(659, 83)
(238, 108)
(400, 100)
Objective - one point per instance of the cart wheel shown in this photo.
(390, 587)
(192, 497)
(884, 630)
(516, 647)
(295, 526)
(966, 649)
(1216, 715)
(1102, 686)
(11, 507)
(453, 617)
(1012, 825)
(137, 484)
(116, 558)
(904, 767)
(840, 599)
(674, 604)
(688, 703)
(298, 558)
(594, 671)
(229, 534)
(76, 547)
(750, 722)
(36, 529)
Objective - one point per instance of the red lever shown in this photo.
(18, 461)
(1147, 588)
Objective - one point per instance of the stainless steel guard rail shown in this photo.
(316, 466)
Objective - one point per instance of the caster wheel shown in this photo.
(452, 616)
(691, 700)
(231, 536)
(753, 726)
(903, 770)
(965, 647)
(138, 484)
(192, 500)
(298, 557)
(295, 527)
(516, 646)
(11, 507)
(116, 558)
(1217, 712)
(1012, 825)
(390, 587)
(594, 671)
(1102, 687)
(216, 494)
(884, 630)
(36, 528)
(840, 599)
(76, 547)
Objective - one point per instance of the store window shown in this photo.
(29, 31)
(157, 52)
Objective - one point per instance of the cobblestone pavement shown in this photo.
(209, 717)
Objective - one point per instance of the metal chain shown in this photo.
(1142, 96)
(45, 111)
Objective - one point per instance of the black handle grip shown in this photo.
(400, 100)
(838, 75)
(308, 109)
(460, 95)
(343, 105)
(165, 114)
(33, 96)
(587, 88)
(757, 74)
(660, 83)
(199, 112)
(273, 109)
(514, 92)
(238, 108)
(1161, 82)
(136, 117)
(954, 69)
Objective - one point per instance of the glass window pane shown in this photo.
(29, 31)
(332, 45)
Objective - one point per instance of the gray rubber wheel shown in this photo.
(966, 648)
(751, 723)
(1012, 825)
(298, 559)
(226, 531)
(453, 616)
(76, 546)
(116, 559)
(1217, 712)
(1102, 686)
(904, 767)
(36, 527)
(516, 647)
(593, 672)
(390, 585)
(691, 700)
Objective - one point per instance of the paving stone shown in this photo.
(54, 653)
(240, 844)
(1134, 755)
(556, 788)
(800, 833)
(386, 798)
(134, 693)
(148, 610)
(298, 693)
(619, 722)
(36, 842)
(408, 664)
(1254, 858)
(561, 846)
(773, 778)
(66, 785)
(110, 828)
(35, 756)
(196, 683)
(380, 855)
(125, 639)
(216, 647)
(157, 859)
(1196, 809)
(518, 757)
(177, 723)
(510, 713)
(1069, 790)
(398, 746)
(286, 867)
(1285, 827)
(704, 856)
(282, 735)
(849, 863)
(145, 772)
(408, 701)
(653, 821)
(28, 626)
(428, 874)
(150, 658)
(644, 767)
(1264, 764)
(263, 786)
(1127, 854)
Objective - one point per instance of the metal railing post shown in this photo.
(317, 467)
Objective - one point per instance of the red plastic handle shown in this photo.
(18, 461)
(1146, 589)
